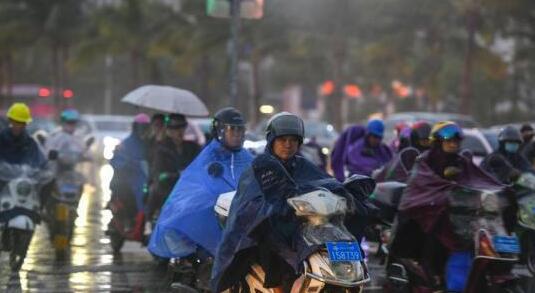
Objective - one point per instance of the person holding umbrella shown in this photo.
(171, 156)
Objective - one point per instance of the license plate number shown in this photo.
(506, 244)
(344, 251)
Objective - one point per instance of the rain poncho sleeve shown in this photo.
(130, 167)
(260, 200)
(188, 219)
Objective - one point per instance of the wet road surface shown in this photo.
(92, 267)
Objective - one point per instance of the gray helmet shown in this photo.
(510, 133)
(285, 123)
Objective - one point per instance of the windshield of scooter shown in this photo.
(322, 213)
(10, 171)
(471, 210)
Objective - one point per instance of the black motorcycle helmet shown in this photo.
(420, 131)
(510, 133)
(226, 117)
(285, 123)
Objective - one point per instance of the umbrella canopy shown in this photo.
(167, 99)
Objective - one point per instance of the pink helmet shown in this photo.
(142, 118)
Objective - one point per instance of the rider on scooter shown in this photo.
(68, 145)
(506, 163)
(261, 225)
(17, 146)
(187, 222)
(423, 208)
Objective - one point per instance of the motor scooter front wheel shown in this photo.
(20, 241)
(116, 240)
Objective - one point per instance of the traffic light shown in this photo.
(44, 92)
(352, 91)
(68, 93)
(327, 88)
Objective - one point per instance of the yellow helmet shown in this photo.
(19, 112)
(445, 130)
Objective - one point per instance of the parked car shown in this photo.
(108, 130)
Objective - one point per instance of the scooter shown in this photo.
(337, 265)
(476, 219)
(19, 208)
(61, 207)
(525, 194)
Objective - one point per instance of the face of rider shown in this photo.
(234, 135)
(451, 146)
(17, 128)
(374, 140)
(285, 147)
(69, 127)
(424, 143)
(175, 133)
(527, 135)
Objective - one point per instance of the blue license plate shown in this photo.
(344, 251)
(506, 244)
(69, 188)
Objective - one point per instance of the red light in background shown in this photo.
(44, 92)
(352, 91)
(327, 88)
(67, 94)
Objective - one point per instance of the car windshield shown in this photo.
(474, 144)
(113, 125)
(41, 124)
(319, 129)
(492, 138)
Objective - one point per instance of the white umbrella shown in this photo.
(167, 99)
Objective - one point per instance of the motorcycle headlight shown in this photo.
(347, 271)
(303, 207)
(526, 217)
(24, 188)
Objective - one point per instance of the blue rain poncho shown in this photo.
(188, 219)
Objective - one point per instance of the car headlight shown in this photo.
(325, 151)
(110, 143)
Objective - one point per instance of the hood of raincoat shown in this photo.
(363, 159)
(339, 153)
(188, 219)
(260, 199)
(130, 163)
(21, 149)
(426, 195)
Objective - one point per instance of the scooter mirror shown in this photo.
(360, 185)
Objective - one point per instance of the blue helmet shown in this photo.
(70, 115)
(376, 127)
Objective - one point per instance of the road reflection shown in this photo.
(91, 265)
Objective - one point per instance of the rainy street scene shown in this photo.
(267, 146)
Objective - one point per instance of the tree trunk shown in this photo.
(134, 62)
(56, 76)
(256, 90)
(466, 83)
